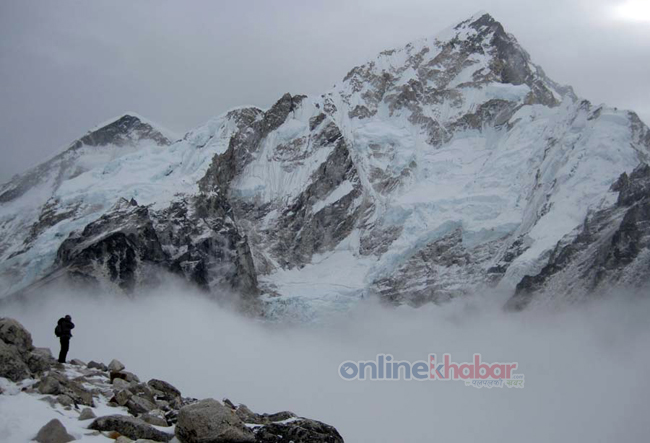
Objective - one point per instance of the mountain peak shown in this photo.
(481, 16)
(126, 129)
(475, 59)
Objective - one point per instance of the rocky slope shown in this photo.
(609, 252)
(72, 396)
(442, 168)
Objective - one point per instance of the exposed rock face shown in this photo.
(127, 130)
(611, 249)
(121, 245)
(53, 432)
(429, 274)
(130, 245)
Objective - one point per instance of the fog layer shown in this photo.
(585, 369)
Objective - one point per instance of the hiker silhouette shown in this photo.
(63, 331)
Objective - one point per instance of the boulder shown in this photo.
(168, 390)
(13, 333)
(56, 383)
(138, 405)
(94, 365)
(122, 397)
(154, 420)
(115, 366)
(77, 362)
(12, 365)
(143, 390)
(65, 400)
(86, 414)
(120, 384)
(38, 363)
(44, 352)
(131, 427)
(53, 432)
(79, 394)
(300, 430)
(208, 421)
(49, 385)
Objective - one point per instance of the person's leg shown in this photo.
(65, 346)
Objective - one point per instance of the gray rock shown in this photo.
(248, 416)
(115, 366)
(12, 365)
(77, 362)
(168, 390)
(53, 432)
(65, 400)
(13, 333)
(55, 384)
(154, 420)
(123, 439)
(44, 352)
(131, 427)
(130, 377)
(210, 421)
(39, 362)
(120, 384)
(94, 365)
(122, 397)
(298, 431)
(50, 385)
(138, 405)
(86, 414)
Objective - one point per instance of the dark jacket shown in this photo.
(66, 326)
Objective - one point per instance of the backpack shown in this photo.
(57, 331)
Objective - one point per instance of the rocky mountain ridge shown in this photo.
(446, 167)
(129, 410)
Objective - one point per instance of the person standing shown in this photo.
(63, 330)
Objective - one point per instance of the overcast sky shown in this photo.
(66, 66)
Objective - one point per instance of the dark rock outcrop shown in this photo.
(611, 249)
(130, 244)
(298, 431)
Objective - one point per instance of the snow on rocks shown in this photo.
(65, 397)
(130, 427)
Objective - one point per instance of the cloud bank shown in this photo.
(585, 368)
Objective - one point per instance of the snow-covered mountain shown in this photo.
(438, 169)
